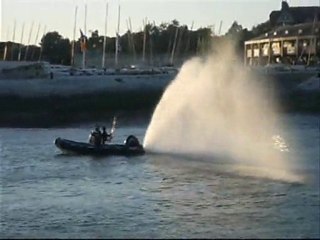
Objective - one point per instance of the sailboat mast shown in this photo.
(117, 39)
(41, 48)
(103, 64)
(13, 38)
(74, 36)
(6, 46)
(151, 43)
(26, 54)
(20, 46)
(189, 38)
(35, 41)
(132, 40)
(174, 45)
(128, 33)
(14, 31)
(144, 40)
(220, 27)
(178, 45)
(85, 33)
(37, 35)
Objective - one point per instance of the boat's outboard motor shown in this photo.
(132, 141)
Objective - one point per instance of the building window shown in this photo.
(317, 30)
(275, 33)
(300, 31)
(286, 32)
(266, 34)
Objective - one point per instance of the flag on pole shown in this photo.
(83, 42)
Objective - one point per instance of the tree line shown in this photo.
(161, 39)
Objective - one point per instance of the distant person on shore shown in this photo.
(106, 137)
(51, 75)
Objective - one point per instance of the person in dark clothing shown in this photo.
(96, 137)
(106, 137)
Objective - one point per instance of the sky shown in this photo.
(59, 15)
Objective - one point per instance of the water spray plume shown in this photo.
(215, 107)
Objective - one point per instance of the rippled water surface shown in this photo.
(47, 194)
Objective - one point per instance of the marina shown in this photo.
(159, 129)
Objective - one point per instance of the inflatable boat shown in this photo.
(130, 147)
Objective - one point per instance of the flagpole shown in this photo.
(104, 39)
(85, 33)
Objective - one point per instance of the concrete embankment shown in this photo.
(45, 103)
(51, 102)
(294, 91)
(57, 110)
(305, 97)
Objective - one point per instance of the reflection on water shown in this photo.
(279, 143)
(46, 194)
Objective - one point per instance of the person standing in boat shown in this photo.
(106, 137)
(96, 137)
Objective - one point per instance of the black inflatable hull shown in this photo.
(80, 148)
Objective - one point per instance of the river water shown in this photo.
(45, 194)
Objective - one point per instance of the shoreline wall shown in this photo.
(70, 100)
(60, 111)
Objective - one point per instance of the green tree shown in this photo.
(56, 49)
(95, 41)
(235, 30)
(261, 28)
